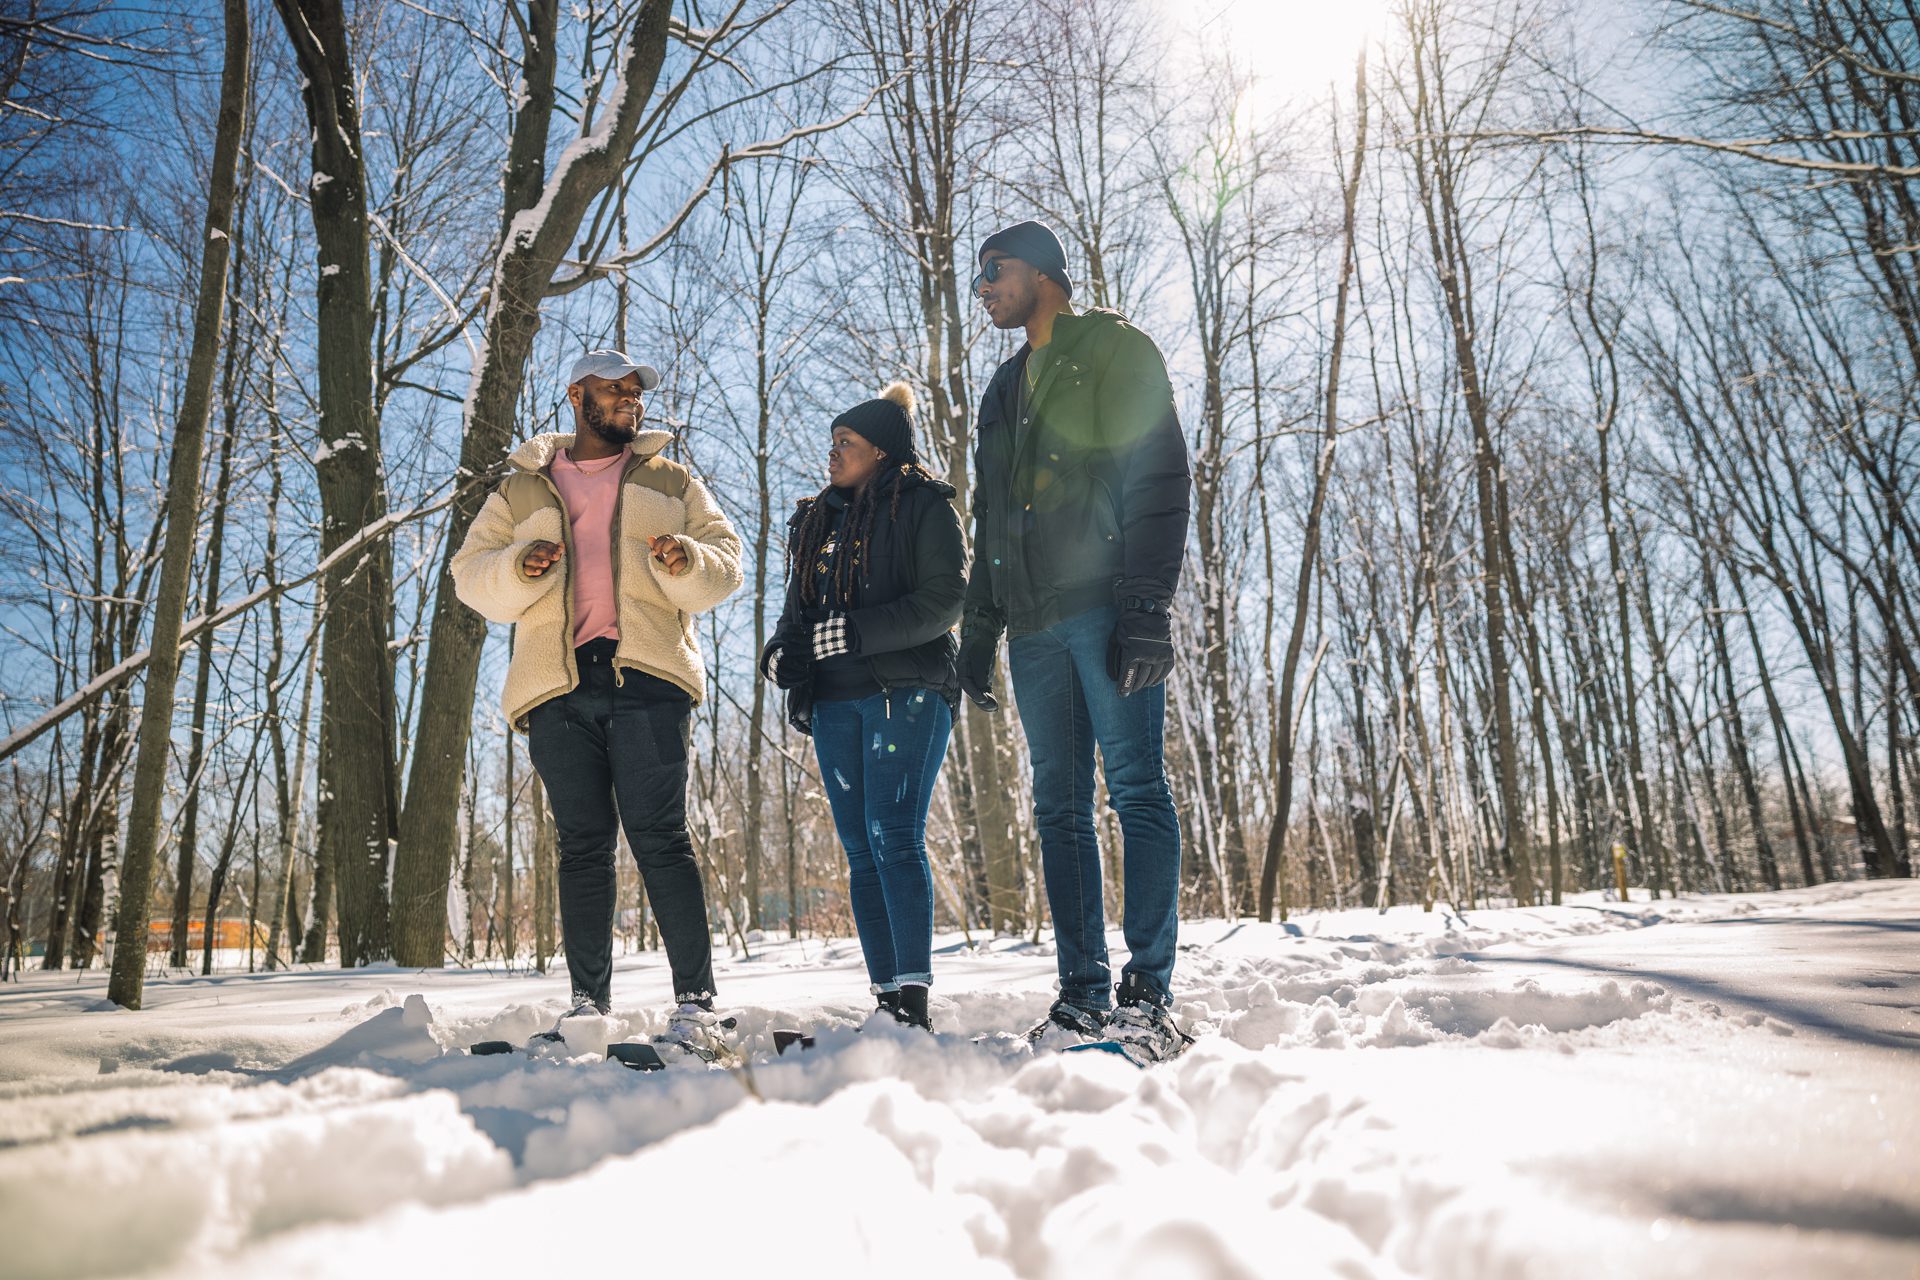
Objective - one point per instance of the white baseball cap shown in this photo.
(611, 365)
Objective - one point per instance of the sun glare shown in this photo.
(1296, 50)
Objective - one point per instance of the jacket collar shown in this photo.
(1070, 329)
(538, 453)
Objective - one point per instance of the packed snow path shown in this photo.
(1723, 1086)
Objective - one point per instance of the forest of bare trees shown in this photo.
(1546, 372)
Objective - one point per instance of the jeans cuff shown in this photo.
(914, 979)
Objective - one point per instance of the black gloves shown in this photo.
(788, 658)
(979, 647)
(833, 634)
(787, 664)
(1140, 654)
(815, 635)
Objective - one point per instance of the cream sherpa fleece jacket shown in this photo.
(656, 608)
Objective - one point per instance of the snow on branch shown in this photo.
(762, 150)
(1748, 148)
(1849, 56)
(107, 680)
(59, 222)
(587, 153)
(461, 320)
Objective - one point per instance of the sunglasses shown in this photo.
(989, 273)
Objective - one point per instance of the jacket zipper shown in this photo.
(566, 580)
(613, 543)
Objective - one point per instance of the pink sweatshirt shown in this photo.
(590, 490)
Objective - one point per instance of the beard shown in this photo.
(1017, 310)
(596, 420)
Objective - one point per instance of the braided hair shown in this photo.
(813, 520)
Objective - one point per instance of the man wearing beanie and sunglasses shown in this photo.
(1081, 494)
(599, 551)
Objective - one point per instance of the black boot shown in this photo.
(913, 1006)
(889, 1000)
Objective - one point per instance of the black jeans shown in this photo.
(623, 743)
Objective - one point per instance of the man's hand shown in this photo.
(540, 557)
(668, 551)
(1140, 654)
(979, 647)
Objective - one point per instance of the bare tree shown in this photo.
(1441, 160)
(543, 218)
(358, 807)
(1283, 712)
(930, 128)
(183, 503)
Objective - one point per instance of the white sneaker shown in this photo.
(700, 1032)
(584, 1022)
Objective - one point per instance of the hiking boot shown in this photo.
(913, 1006)
(887, 1001)
(1141, 1023)
(1066, 1025)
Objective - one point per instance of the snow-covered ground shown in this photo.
(1712, 1086)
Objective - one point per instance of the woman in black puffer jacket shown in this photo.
(876, 573)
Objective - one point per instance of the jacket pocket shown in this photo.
(1075, 528)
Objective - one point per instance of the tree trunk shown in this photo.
(1735, 724)
(313, 946)
(183, 503)
(1434, 168)
(184, 858)
(545, 889)
(530, 255)
(1802, 819)
(509, 943)
(1283, 730)
(356, 818)
(289, 778)
(223, 864)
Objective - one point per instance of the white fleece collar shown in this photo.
(538, 453)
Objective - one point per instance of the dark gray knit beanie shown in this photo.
(1035, 243)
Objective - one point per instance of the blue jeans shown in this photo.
(879, 757)
(1068, 703)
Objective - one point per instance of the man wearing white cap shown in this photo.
(599, 551)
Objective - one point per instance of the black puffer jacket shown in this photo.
(1081, 490)
(906, 597)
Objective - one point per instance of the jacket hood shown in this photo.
(920, 478)
(538, 453)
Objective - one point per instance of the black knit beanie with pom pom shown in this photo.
(885, 423)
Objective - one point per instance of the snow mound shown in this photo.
(1590, 1090)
